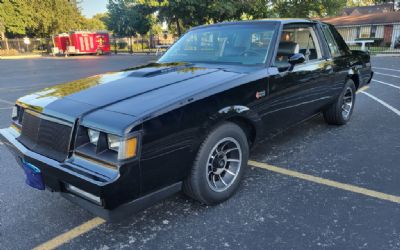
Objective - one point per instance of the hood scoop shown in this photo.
(160, 70)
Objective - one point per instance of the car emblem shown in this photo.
(260, 94)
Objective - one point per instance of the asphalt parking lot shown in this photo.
(314, 187)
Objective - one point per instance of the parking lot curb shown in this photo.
(19, 57)
(388, 55)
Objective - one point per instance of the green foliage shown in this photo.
(97, 22)
(130, 17)
(156, 29)
(42, 18)
(307, 8)
(182, 14)
(54, 16)
(257, 9)
(39, 17)
(14, 16)
(186, 13)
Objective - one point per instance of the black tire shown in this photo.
(199, 184)
(335, 114)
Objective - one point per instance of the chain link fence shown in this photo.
(25, 46)
(145, 44)
(375, 47)
(153, 44)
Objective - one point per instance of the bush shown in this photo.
(10, 52)
(122, 45)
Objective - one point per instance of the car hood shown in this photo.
(132, 92)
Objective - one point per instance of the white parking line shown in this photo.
(389, 84)
(387, 69)
(396, 111)
(5, 101)
(5, 108)
(386, 75)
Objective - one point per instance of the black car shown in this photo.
(397, 43)
(118, 142)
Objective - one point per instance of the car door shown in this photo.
(297, 93)
(340, 57)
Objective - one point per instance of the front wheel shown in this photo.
(339, 113)
(219, 165)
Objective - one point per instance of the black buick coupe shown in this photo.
(118, 142)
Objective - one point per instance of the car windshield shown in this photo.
(236, 44)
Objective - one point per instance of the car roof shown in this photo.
(260, 21)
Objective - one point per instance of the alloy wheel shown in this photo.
(347, 104)
(224, 163)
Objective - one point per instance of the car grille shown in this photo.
(46, 136)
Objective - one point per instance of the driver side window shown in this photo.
(298, 39)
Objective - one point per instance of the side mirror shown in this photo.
(297, 59)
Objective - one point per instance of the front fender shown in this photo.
(234, 113)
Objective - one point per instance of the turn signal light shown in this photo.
(128, 149)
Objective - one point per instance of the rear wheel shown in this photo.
(219, 165)
(339, 113)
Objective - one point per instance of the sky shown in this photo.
(92, 7)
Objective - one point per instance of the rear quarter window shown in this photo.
(332, 44)
(343, 48)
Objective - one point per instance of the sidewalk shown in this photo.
(20, 57)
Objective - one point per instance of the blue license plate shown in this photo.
(33, 176)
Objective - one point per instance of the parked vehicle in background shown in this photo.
(118, 142)
(82, 43)
(397, 43)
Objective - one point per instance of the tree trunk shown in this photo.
(178, 27)
(130, 45)
(3, 35)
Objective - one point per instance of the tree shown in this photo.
(54, 16)
(39, 17)
(257, 9)
(129, 17)
(14, 17)
(307, 8)
(184, 14)
(97, 22)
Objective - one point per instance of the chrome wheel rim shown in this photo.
(223, 164)
(347, 104)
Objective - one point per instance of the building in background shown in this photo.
(380, 23)
(365, 10)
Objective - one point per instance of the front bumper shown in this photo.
(117, 196)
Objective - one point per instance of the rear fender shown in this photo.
(354, 74)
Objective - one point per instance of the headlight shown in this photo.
(14, 114)
(114, 142)
(107, 147)
(93, 136)
(126, 148)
